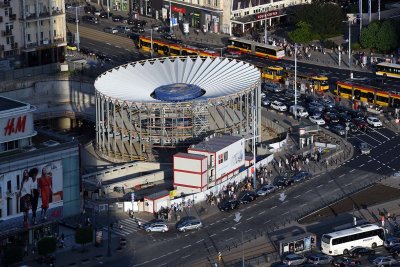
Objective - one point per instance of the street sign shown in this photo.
(174, 21)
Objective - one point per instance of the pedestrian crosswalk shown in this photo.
(126, 227)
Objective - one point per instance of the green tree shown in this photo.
(302, 33)
(12, 255)
(84, 235)
(387, 38)
(47, 245)
(368, 35)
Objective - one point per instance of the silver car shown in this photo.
(294, 259)
(189, 225)
(266, 189)
(364, 149)
(320, 259)
(156, 227)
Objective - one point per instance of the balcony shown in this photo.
(58, 40)
(44, 14)
(57, 11)
(14, 46)
(6, 33)
(13, 16)
(4, 4)
(30, 16)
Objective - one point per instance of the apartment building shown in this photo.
(33, 32)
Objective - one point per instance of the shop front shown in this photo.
(201, 18)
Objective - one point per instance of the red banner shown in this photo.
(178, 9)
(266, 15)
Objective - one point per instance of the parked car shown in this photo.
(229, 205)
(282, 182)
(345, 261)
(375, 122)
(72, 20)
(364, 149)
(317, 120)
(123, 29)
(316, 105)
(338, 129)
(265, 102)
(90, 19)
(391, 242)
(327, 103)
(156, 227)
(300, 176)
(247, 196)
(272, 87)
(360, 123)
(137, 29)
(320, 259)
(330, 118)
(89, 9)
(294, 259)
(105, 15)
(72, 47)
(110, 30)
(155, 27)
(189, 223)
(278, 106)
(344, 118)
(395, 251)
(314, 112)
(360, 251)
(266, 189)
(117, 18)
(384, 261)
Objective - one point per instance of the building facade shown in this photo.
(33, 32)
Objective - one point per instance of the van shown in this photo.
(298, 111)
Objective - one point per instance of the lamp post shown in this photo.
(253, 138)
(151, 42)
(265, 32)
(295, 82)
(349, 22)
(77, 39)
(108, 9)
(379, 9)
(170, 18)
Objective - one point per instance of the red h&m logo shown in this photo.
(13, 127)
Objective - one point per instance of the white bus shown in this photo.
(340, 242)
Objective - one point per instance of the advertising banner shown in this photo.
(34, 194)
(16, 127)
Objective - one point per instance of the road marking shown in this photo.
(273, 207)
(370, 160)
(213, 235)
(108, 44)
(225, 229)
(199, 241)
(303, 204)
(229, 239)
(184, 257)
(249, 218)
(177, 250)
(267, 221)
(238, 223)
(297, 196)
(341, 175)
(347, 184)
(212, 223)
(330, 181)
(319, 185)
(188, 246)
(285, 213)
(262, 212)
(248, 230)
(308, 191)
(383, 135)
(352, 170)
(186, 234)
(361, 165)
(336, 189)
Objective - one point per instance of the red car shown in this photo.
(360, 123)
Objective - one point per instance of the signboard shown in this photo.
(164, 13)
(16, 127)
(229, 158)
(99, 237)
(48, 181)
(267, 15)
(174, 22)
(176, 9)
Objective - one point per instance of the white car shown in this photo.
(375, 122)
(156, 227)
(317, 120)
(278, 106)
(266, 189)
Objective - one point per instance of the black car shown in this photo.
(282, 182)
(247, 196)
(137, 29)
(229, 205)
(117, 18)
(105, 14)
(330, 117)
(89, 9)
(90, 19)
(343, 117)
(300, 176)
(344, 262)
(360, 251)
(314, 112)
(71, 20)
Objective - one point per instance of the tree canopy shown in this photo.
(324, 19)
(302, 33)
(381, 35)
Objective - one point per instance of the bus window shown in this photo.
(241, 45)
(384, 99)
(265, 50)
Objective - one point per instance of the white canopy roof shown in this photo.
(135, 82)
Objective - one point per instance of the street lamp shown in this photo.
(77, 39)
(295, 81)
(170, 18)
(108, 221)
(151, 42)
(265, 32)
(350, 22)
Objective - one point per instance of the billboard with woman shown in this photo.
(32, 193)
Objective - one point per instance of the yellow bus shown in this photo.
(367, 93)
(273, 73)
(320, 82)
(388, 69)
(256, 49)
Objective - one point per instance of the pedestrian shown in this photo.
(26, 250)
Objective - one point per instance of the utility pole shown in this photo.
(108, 9)
(77, 39)
(379, 9)
(369, 11)
(351, 74)
(254, 147)
(108, 229)
(361, 14)
(151, 42)
(170, 18)
(295, 82)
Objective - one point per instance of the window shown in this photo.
(226, 156)
(215, 2)
(220, 158)
(6, 11)
(29, 37)
(41, 23)
(8, 186)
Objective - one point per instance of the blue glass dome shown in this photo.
(177, 92)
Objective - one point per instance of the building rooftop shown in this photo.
(7, 104)
(189, 155)
(157, 195)
(215, 144)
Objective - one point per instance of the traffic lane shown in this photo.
(373, 137)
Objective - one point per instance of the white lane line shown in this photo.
(188, 246)
(108, 44)
(213, 235)
(177, 250)
(319, 185)
(273, 207)
(237, 223)
(201, 240)
(184, 257)
(248, 230)
(347, 184)
(225, 229)
(370, 160)
(341, 175)
(361, 165)
(308, 191)
(330, 181)
(285, 213)
(382, 135)
(297, 196)
(267, 221)
(249, 218)
(336, 189)
(186, 234)
(352, 170)
(262, 212)
(229, 239)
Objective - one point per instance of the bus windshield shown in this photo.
(326, 239)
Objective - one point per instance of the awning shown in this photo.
(197, 7)
(260, 17)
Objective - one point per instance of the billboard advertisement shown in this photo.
(32, 195)
(16, 127)
(229, 158)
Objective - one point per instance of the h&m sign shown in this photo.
(16, 127)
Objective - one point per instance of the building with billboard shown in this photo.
(208, 163)
(166, 103)
(29, 161)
